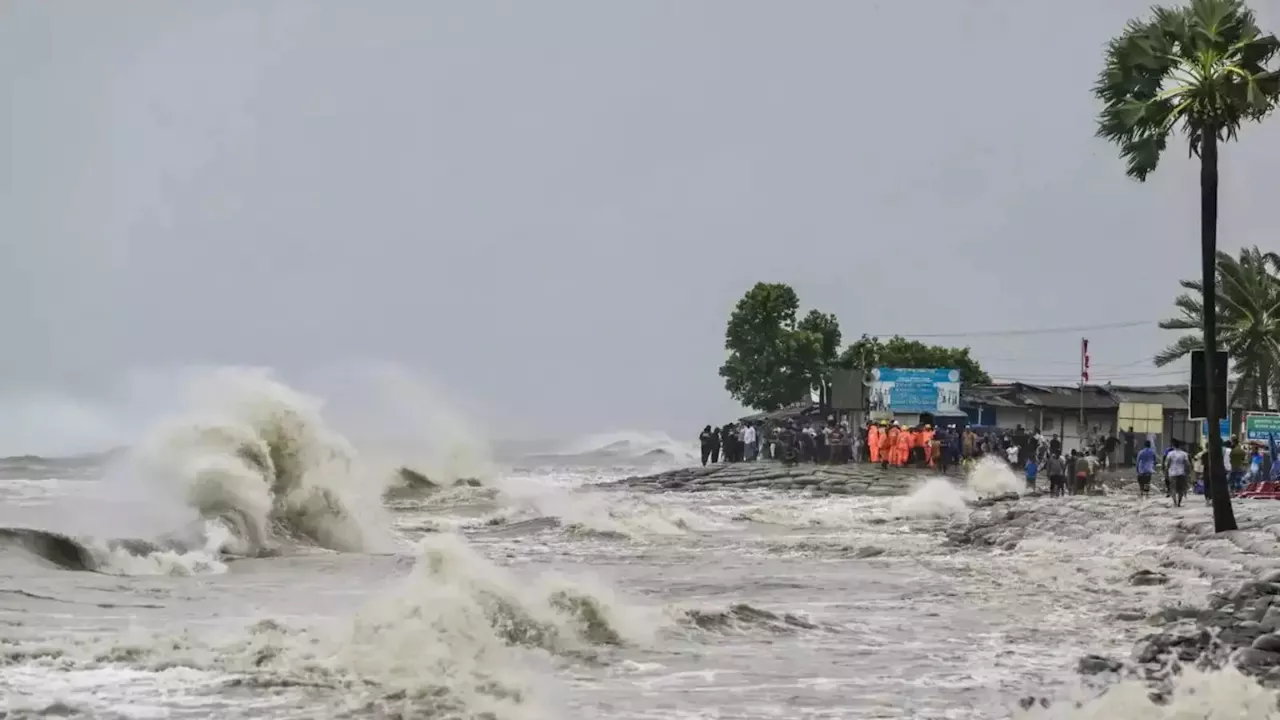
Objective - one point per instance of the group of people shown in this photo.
(790, 442)
(891, 444)
(888, 443)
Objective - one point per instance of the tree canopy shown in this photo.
(776, 359)
(1248, 312)
(1203, 68)
(870, 352)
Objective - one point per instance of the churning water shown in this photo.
(248, 561)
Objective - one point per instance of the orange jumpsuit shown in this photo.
(873, 443)
(926, 439)
(889, 446)
(904, 448)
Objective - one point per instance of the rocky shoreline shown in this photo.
(853, 479)
(1237, 627)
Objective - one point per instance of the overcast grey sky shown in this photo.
(550, 207)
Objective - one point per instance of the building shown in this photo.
(1057, 409)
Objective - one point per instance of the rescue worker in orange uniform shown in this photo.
(926, 437)
(873, 442)
(888, 446)
(904, 447)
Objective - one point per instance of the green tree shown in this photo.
(774, 360)
(1204, 69)
(1248, 305)
(824, 345)
(869, 352)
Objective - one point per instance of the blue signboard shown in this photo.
(1224, 428)
(916, 390)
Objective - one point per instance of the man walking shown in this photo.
(1176, 465)
(1146, 466)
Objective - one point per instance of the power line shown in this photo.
(1029, 331)
(1094, 377)
(1075, 362)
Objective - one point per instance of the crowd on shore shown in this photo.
(1030, 452)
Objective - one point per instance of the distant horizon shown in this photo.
(549, 210)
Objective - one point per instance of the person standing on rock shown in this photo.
(749, 447)
(1177, 463)
(715, 445)
(888, 446)
(1056, 467)
(1146, 467)
(728, 443)
(704, 439)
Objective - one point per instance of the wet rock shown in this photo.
(1148, 577)
(1002, 497)
(1252, 660)
(868, 552)
(1166, 615)
(1031, 701)
(1096, 664)
(1241, 635)
(1269, 642)
(1271, 618)
(1186, 645)
(1251, 590)
(466, 482)
(1130, 616)
(857, 478)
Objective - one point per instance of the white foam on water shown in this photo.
(993, 476)
(936, 498)
(1223, 694)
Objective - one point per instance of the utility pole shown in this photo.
(1084, 378)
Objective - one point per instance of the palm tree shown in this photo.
(1203, 68)
(1248, 305)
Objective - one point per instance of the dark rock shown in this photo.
(1096, 664)
(1271, 576)
(1251, 590)
(1269, 642)
(1241, 635)
(1148, 577)
(1186, 645)
(1031, 701)
(466, 482)
(989, 501)
(868, 552)
(1271, 619)
(1256, 661)
(414, 479)
(1166, 615)
(1130, 616)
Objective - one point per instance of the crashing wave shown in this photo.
(260, 461)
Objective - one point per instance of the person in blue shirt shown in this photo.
(1032, 469)
(1275, 459)
(1146, 466)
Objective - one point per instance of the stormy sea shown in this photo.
(245, 559)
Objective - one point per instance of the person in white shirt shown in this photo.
(1176, 466)
(749, 446)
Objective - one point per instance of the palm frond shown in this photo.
(1203, 68)
(1181, 348)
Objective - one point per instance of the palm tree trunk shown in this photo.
(1264, 385)
(1223, 517)
(1264, 382)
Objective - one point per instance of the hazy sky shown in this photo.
(550, 207)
